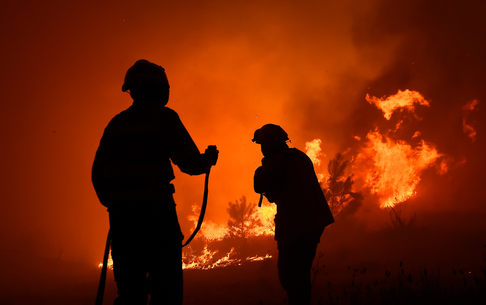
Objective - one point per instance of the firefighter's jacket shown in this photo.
(289, 179)
(133, 161)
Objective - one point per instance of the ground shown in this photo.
(357, 266)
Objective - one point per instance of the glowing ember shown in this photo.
(396, 167)
(466, 127)
(443, 167)
(402, 100)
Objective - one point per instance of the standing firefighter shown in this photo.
(287, 177)
(132, 176)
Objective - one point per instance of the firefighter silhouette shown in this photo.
(132, 176)
(287, 177)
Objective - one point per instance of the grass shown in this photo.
(400, 287)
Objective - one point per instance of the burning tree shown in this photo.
(242, 219)
(242, 222)
(339, 194)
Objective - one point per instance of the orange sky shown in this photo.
(233, 66)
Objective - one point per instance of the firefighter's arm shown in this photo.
(184, 152)
(196, 163)
(259, 181)
(269, 176)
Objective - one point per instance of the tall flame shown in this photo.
(313, 151)
(209, 229)
(396, 167)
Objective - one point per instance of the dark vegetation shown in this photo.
(400, 224)
(52, 281)
(338, 188)
(448, 286)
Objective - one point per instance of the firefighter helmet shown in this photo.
(270, 134)
(144, 73)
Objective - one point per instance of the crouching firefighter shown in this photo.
(287, 177)
(132, 176)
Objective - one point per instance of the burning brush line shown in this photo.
(204, 261)
(258, 223)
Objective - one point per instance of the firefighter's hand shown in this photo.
(212, 154)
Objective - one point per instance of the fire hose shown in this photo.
(260, 200)
(101, 286)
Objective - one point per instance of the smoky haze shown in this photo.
(233, 66)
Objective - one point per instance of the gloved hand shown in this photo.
(212, 154)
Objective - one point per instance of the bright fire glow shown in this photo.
(402, 100)
(313, 150)
(205, 260)
(266, 215)
(210, 230)
(110, 262)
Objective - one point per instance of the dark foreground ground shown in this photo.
(357, 267)
(57, 282)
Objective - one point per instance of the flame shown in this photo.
(266, 215)
(110, 263)
(205, 261)
(211, 232)
(402, 100)
(200, 261)
(313, 151)
(396, 167)
(209, 229)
